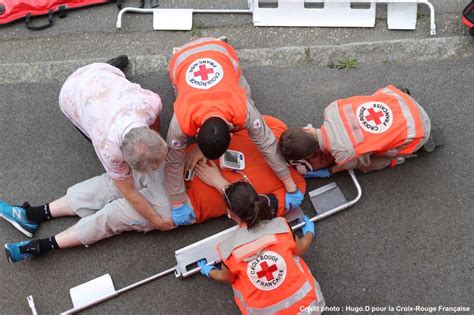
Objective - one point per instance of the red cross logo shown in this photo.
(375, 116)
(203, 72)
(267, 271)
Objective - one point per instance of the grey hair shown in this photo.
(142, 146)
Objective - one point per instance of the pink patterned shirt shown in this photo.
(104, 105)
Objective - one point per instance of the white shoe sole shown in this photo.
(18, 226)
(6, 254)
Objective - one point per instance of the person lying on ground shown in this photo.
(105, 212)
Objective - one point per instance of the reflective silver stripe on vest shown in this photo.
(297, 261)
(353, 124)
(272, 309)
(339, 142)
(244, 236)
(411, 127)
(426, 123)
(210, 47)
(317, 306)
(198, 41)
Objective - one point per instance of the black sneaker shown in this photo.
(404, 90)
(224, 39)
(120, 62)
(435, 140)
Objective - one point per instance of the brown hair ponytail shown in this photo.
(261, 211)
(247, 204)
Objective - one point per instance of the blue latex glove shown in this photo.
(183, 215)
(205, 269)
(324, 172)
(308, 227)
(293, 200)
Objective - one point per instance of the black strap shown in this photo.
(153, 4)
(273, 205)
(39, 27)
(62, 12)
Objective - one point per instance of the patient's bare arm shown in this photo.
(211, 175)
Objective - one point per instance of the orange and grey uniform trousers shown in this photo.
(373, 132)
(269, 278)
(207, 77)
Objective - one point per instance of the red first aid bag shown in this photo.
(11, 10)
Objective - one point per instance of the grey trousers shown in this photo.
(105, 213)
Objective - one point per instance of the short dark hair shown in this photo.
(213, 138)
(247, 204)
(297, 144)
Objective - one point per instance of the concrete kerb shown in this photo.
(406, 51)
(370, 52)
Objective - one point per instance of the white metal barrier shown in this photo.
(401, 14)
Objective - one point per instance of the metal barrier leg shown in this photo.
(432, 16)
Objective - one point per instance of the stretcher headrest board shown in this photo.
(327, 197)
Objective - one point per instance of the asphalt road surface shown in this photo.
(409, 241)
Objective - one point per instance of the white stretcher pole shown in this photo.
(31, 304)
(180, 271)
(118, 292)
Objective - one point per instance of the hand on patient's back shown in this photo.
(209, 174)
(293, 200)
(193, 158)
(324, 172)
(183, 215)
(163, 224)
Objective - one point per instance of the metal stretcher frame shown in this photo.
(180, 269)
(185, 23)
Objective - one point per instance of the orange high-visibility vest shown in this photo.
(206, 76)
(389, 123)
(269, 279)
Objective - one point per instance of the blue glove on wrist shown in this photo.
(308, 227)
(205, 269)
(324, 172)
(183, 215)
(293, 200)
